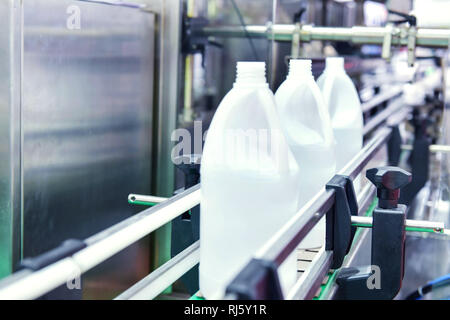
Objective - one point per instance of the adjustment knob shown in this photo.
(389, 181)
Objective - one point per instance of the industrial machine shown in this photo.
(96, 203)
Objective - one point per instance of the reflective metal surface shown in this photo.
(168, 77)
(86, 102)
(10, 189)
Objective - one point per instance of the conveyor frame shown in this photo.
(26, 284)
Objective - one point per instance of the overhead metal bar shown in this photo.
(358, 35)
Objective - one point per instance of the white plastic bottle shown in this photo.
(250, 180)
(306, 124)
(344, 107)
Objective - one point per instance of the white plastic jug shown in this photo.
(306, 124)
(250, 180)
(344, 106)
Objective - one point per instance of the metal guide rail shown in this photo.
(388, 36)
(61, 265)
(44, 273)
(75, 257)
(288, 238)
(359, 35)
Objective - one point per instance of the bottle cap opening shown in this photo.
(335, 63)
(250, 73)
(300, 68)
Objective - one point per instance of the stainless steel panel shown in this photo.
(167, 70)
(87, 101)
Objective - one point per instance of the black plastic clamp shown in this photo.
(394, 146)
(193, 40)
(66, 249)
(383, 278)
(339, 230)
(412, 20)
(419, 159)
(186, 228)
(257, 281)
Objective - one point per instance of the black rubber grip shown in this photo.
(66, 249)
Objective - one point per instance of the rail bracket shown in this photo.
(419, 159)
(193, 41)
(381, 280)
(186, 228)
(257, 281)
(394, 146)
(66, 249)
(339, 230)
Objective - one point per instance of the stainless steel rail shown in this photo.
(144, 199)
(157, 281)
(416, 224)
(101, 246)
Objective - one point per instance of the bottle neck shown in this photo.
(335, 64)
(251, 74)
(300, 69)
